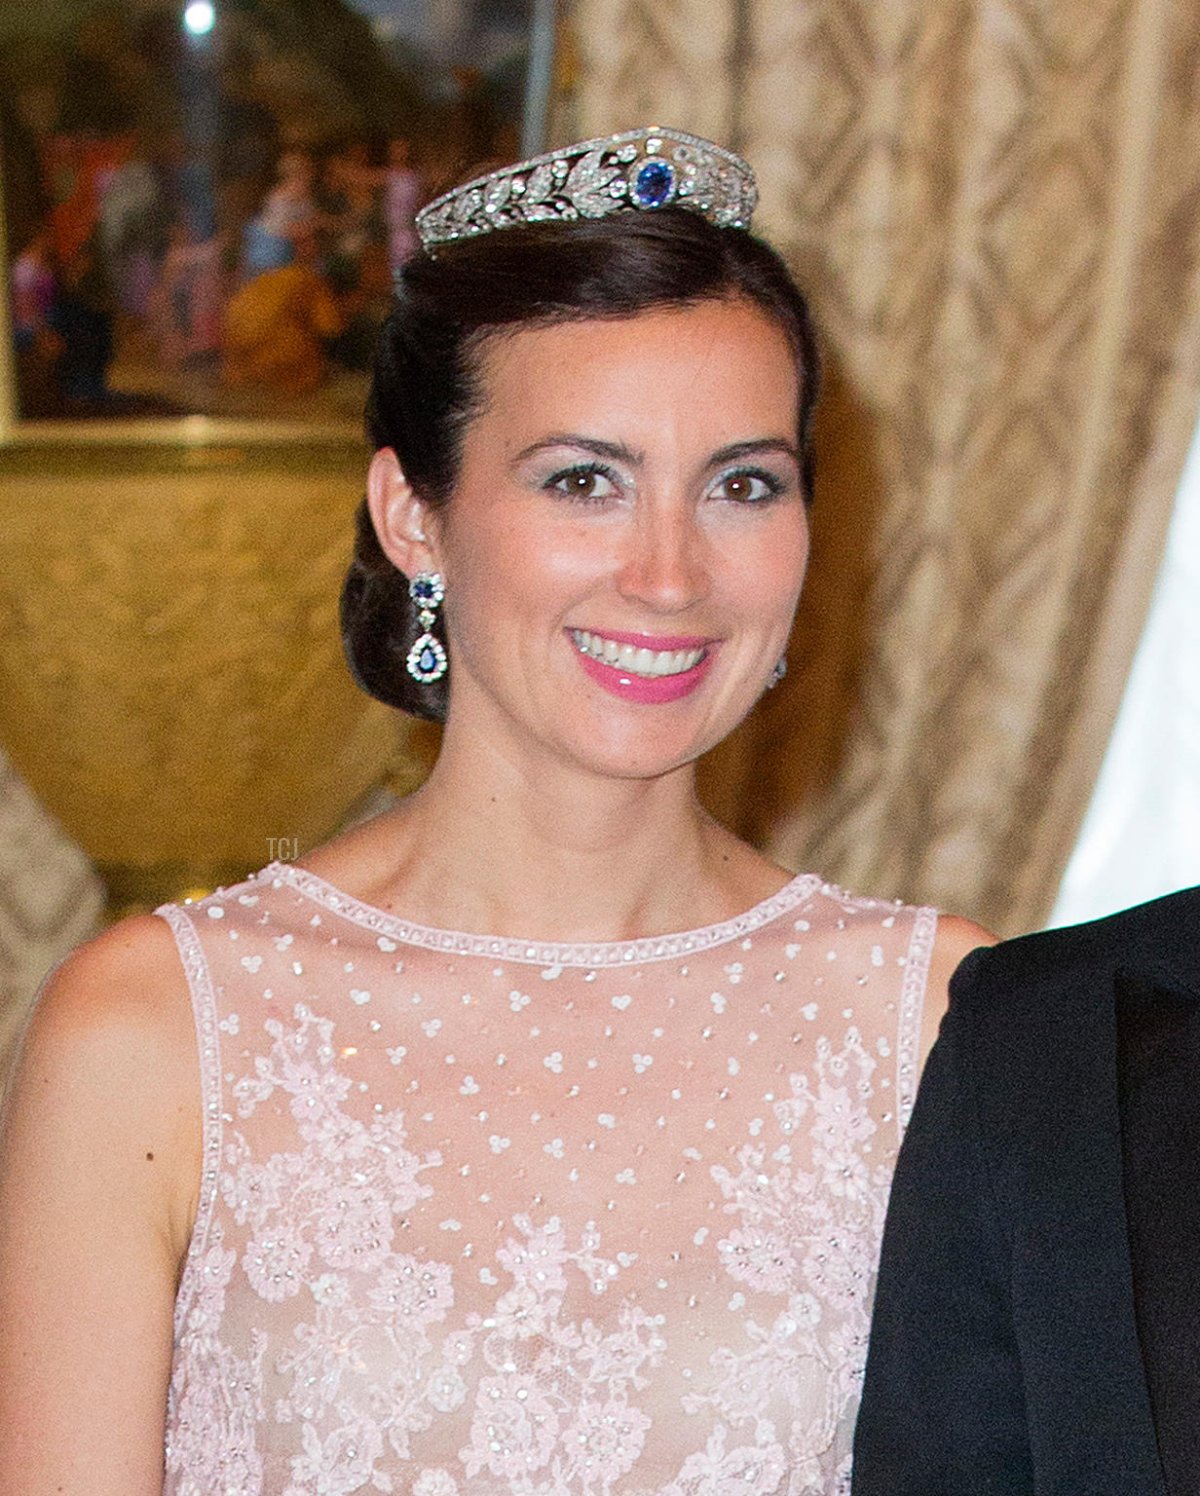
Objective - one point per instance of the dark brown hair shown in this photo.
(425, 387)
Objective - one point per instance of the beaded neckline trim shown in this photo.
(542, 952)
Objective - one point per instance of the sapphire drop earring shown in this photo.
(427, 658)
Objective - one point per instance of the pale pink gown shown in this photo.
(487, 1216)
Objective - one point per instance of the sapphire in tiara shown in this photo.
(654, 184)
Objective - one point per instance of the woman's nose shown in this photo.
(664, 566)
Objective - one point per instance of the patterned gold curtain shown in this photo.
(50, 899)
(995, 207)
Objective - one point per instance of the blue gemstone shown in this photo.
(428, 661)
(653, 184)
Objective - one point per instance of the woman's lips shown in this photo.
(641, 667)
(641, 654)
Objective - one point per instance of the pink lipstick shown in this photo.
(644, 668)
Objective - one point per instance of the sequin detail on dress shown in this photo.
(486, 1216)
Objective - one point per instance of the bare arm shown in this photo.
(99, 1168)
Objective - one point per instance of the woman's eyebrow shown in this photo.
(619, 452)
(758, 446)
(613, 451)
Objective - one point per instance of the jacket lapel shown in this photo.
(1050, 1131)
(1158, 1080)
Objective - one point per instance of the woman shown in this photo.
(541, 1132)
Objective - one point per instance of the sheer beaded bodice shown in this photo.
(488, 1216)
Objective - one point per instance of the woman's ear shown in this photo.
(402, 522)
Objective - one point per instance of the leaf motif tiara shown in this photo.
(636, 170)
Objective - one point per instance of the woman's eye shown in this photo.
(583, 483)
(748, 488)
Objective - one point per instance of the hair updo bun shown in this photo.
(425, 385)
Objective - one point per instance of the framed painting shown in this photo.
(206, 200)
(205, 204)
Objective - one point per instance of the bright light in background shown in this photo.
(199, 17)
(1141, 835)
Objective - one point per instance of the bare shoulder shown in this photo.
(956, 938)
(121, 995)
(106, 1073)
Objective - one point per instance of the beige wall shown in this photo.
(172, 688)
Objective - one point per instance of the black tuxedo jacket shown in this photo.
(1037, 1319)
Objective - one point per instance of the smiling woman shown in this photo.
(567, 284)
(539, 1134)
(653, 501)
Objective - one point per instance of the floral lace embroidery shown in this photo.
(326, 1345)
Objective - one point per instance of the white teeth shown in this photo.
(649, 663)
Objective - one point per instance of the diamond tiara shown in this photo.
(639, 169)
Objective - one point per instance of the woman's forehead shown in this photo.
(707, 360)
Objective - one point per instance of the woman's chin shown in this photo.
(639, 750)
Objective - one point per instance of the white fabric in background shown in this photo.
(1141, 835)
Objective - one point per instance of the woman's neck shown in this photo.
(530, 847)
